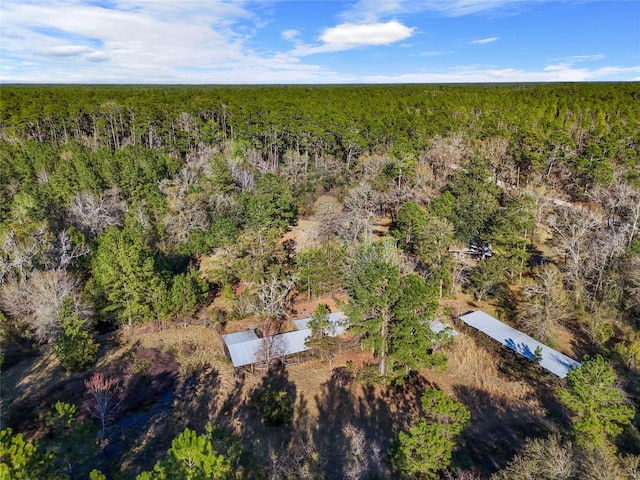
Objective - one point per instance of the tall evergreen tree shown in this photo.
(124, 268)
(389, 312)
(597, 403)
(373, 283)
(427, 447)
(412, 340)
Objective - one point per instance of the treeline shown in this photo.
(588, 127)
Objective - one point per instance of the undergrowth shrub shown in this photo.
(274, 406)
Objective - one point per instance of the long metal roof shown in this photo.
(338, 319)
(242, 346)
(552, 360)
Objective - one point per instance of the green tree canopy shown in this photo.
(389, 312)
(426, 448)
(21, 459)
(75, 346)
(124, 268)
(597, 403)
(214, 455)
(271, 204)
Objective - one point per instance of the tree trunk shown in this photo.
(384, 332)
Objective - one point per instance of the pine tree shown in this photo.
(74, 346)
(427, 447)
(596, 402)
(125, 269)
(323, 332)
(373, 283)
(196, 457)
(389, 312)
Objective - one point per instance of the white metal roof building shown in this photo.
(552, 360)
(337, 318)
(242, 346)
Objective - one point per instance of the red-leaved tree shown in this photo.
(104, 404)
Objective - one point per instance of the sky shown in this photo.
(318, 41)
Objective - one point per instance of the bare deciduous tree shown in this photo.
(92, 213)
(295, 166)
(630, 465)
(188, 214)
(424, 185)
(271, 349)
(222, 206)
(606, 247)
(299, 461)
(397, 195)
(184, 122)
(63, 251)
(541, 458)
(598, 464)
(574, 230)
(459, 474)
(103, 392)
(362, 200)
(545, 303)
(199, 159)
(494, 149)
(362, 203)
(329, 215)
(363, 458)
(620, 203)
(178, 187)
(243, 177)
(445, 154)
(632, 283)
(273, 297)
(40, 300)
(370, 165)
(18, 257)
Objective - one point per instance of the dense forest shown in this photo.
(139, 223)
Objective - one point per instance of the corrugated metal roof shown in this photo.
(552, 360)
(294, 341)
(337, 318)
(242, 346)
(244, 353)
(239, 337)
(437, 326)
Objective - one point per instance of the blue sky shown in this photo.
(277, 41)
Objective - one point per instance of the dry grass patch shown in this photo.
(504, 408)
(474, 366)
(193, 346)
(304, 234)
(27, 377)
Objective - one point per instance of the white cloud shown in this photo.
(347, 36)
(67, 50)
(432, 53)
(476, 74)
(459, 8)
(290, 34)
(155, 41)
(197, 41)
(368, 11)
(482, 41)
(587, 58)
